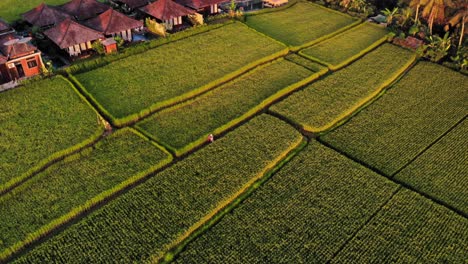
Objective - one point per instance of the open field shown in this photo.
(223, 107)
(177, 70)
(395, 129)
(324, 103)
(311, 65)
(410, 229)
(61, 189)
(301, 24)
(150, 217)
(304, 214)
(11, 10)
(347, 46)
(38, 122)
(441, 171)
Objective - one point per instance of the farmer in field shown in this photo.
(210, 138)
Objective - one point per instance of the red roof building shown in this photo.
(112, 23)
(73, 37)
(18, 58)
(45, 16)
(5, 28)
(208, 7)
(84, 9)
(167, 11)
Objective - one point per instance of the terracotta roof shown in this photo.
(84, 9)
(15, 50)
(44, 15)
(69, 33)
(3, 59)
(4, 26)
(197, 4)
(166, 9)
(135, 3)
(112, 21)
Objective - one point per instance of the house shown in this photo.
(167, 11)
(73, 37)
(113, 23)
(45, 16)
(5, 28)
(18, 58)
(84, 9)
(206, 7)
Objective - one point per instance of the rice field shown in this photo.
(11, 10)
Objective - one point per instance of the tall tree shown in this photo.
(434, 11)
(460, 18)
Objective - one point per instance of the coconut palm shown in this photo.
(434, 11)
(460, 18)
(416, 4)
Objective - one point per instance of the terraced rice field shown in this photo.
(300, 25)
(39, 122)
(176, 71)
(326, 102)
(405, 121)
(11, 10)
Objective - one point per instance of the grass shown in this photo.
(441, 171)
(301, 24)
(167, 207)
(11, 10)
(347, 46)
(221, 108)
(324, 103)
(175, 71)
(409, 229)
(306, 63)
(39, 121)
(304, 214)
(29, 209)
(395, 129)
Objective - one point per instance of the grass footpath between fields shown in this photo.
(150, 217)
(324, 104)
(71, 187)
(185, 126)
(395, 129)
(42, 122)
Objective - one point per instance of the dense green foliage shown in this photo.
(72, 182)
(11, 10)
(177, 70)
(421, 107)
(409, 229)
(343, 48)
(324, 103)
(304, 214)
(441, 171)
(162, 210)
(39, 120)
(300, 24)
(223, 107)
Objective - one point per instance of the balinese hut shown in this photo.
(73, 37)
(84, 9)
(45, 16)
(205, 7)
(167, 11)
(5, 28)
(18, 58)
(113, 23)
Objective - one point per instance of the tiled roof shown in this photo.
(4, 26)
(84, 9)
(197, 4)
(15, 50)
(166, 9)
(111, 22)
(69, 33)
(44, 15)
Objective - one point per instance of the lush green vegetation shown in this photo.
(441, 171)
(11, 10)
(304, 214)
(301, 24)
(167, 207)
(348, 46)
(326, 102)
(223, 107)
(40, 122)
(65, 189)
(311, 65)
(139, 84)
(421, 107)
(409, 229)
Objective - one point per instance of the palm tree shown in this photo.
(434, 11)
(416, 4)
(460, 17)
